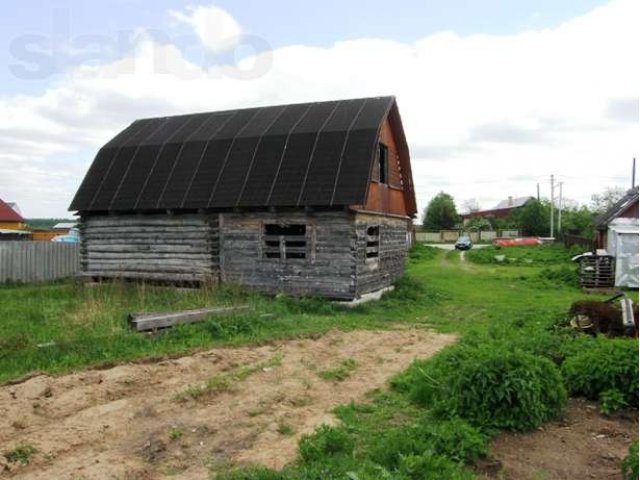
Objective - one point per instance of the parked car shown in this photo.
(463, 243)
(72, 237)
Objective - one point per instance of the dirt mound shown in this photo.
(184, 417)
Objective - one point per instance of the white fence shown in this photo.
(38, 261)
(450, 236)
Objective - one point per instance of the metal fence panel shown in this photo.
(488, 235)
(428, 237)
(38, 261)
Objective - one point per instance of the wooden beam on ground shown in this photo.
(151, 321)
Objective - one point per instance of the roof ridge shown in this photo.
(276, 105)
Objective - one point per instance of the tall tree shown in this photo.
(441, 213)
(533, 218)
(578, 221)
(470, 205)
(601, 202)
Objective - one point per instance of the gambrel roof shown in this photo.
(310, 154)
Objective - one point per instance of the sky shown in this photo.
(495, 95)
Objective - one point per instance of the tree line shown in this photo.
(533, 218)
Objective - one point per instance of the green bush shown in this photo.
(528, 330)
(325, 442)
(630, 463)
(596, 365)
(491, 386)
(454, 439)
(611, 401)
(427, 466)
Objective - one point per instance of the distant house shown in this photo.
(501, 210)
(11, 223)
(62, 228)
(313, 198)
(15, 207)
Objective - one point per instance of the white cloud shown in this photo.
(215, 27)
(485, 116)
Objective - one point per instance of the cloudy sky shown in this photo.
(495, 95)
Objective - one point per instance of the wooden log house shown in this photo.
(313, 198)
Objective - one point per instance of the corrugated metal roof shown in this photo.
(312, 154)
(512, 203)
(8, 214)
(64, 225)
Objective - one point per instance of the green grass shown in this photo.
(341, 372)
(88, 327)
(517, 308)
(501, 315)
(528, 256)
(224, 382)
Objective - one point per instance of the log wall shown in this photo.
(251, 248)
(328, 268)
(374, 273)
(181, 247)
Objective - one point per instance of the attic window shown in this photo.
(373, 242)
(383, 163)
(287, 241)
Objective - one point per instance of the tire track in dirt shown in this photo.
(127, 422)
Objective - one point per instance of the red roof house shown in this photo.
(9, 218)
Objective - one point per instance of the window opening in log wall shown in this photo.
(287, 241)
(373, 242)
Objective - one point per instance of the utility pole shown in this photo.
(552, 212)
(560, 209)
(538, 191)
(633, 174)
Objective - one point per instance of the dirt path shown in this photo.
(583, 445)
(135, 421)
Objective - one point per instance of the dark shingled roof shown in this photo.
(312, 154)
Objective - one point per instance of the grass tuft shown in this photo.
(341, 372)
(21, 454)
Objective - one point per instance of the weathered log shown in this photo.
(151, 321)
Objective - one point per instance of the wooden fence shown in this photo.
(588, 244)
(38, 261)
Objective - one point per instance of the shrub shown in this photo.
(630, 463)
(611, 401)
(325, 442)
(426, 466)
(491, 386)
(597, 365)
(454, 439)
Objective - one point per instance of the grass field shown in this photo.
(86, 326)
(496, 309)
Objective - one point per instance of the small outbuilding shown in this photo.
(313, 198)
(617, 230)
